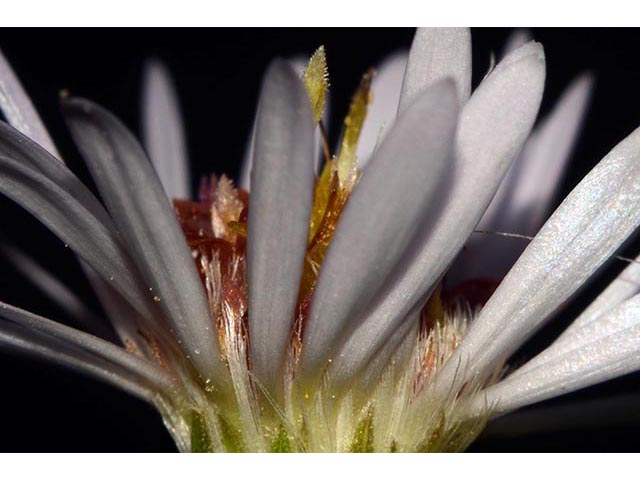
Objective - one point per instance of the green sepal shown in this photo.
(281, 443)
(229, 435)
(200, 440)
(363, 437)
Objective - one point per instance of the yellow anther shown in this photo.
(316, 81)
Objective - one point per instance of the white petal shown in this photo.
(15, 145)
(282, 182)
(493, 127)
(524, 198)
(437, 53)
(124, 319)
(163, 133)
(383, 213)
(623, 287)
(118, 357)
(591, 223)
(18, 109)
(136, 200)
(400, 344)
(75, 226)
(623, 317)
(49, 349)
(516, 39)
(298, 64)
(381, 113)
(57, 291)
(247, 162)
(22, 149)
(539, 169)
(595, 361)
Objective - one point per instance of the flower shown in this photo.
(317, 319)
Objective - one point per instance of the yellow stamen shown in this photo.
(316, 80)
(347, 161)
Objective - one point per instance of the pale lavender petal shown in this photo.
(163, 133)
(120, 358)
(145, 218)
(381, 113)
(625, 316)
(15, 145)
(124, 319)
(22, 149)
(75, 226)
(595, 361)
(493, 126)
(517, 38)
(591, 223)
(282, 182)
(401, 343)
(623, 287)
(437, 53)
(298, 64)
(544, 158)
(524, 198)
(382, 216)
(19, 111)
(47, 348)
(247, 162)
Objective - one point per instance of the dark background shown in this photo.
(218, 74)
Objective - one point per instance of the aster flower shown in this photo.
(315, 313)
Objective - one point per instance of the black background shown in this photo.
(218, 74)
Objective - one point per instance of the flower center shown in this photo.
(399, 412)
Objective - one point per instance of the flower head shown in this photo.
(331, 309)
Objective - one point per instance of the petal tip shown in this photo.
(529, 50)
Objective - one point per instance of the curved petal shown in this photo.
(124, 319)
(625, 316)
(381, 112)
(17, 146)
(70, 221)
(523, 200)
(75, 339)
(401, 343)
(623, 287)
(244, 180)
(591, 223)
(493, 127)
(380, 219)
(595, 361)
(163, 131)
(282, 182)
(19, 111)
(48, 348)
(138, 204)
(517, 38)
(298, 64)
(539, 169)
(437, 53)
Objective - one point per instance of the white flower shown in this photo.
(361, 354)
